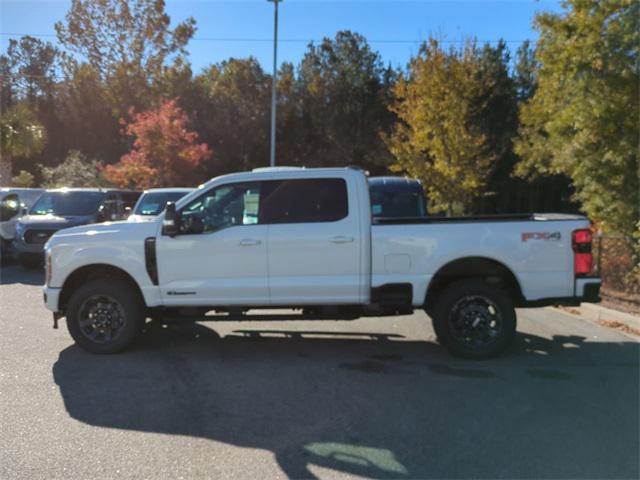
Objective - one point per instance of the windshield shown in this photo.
(397, 204)
(68, 204)
(155, 202)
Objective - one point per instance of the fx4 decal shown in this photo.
(551, 236)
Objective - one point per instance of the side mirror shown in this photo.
(101, 216)
(127, 211)
(171, 222)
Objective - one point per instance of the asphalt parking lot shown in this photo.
(374, 397)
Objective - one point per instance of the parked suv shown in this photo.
(63, 208)
(13, 202)
(152, 202)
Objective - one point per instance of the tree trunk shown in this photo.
(5, 171)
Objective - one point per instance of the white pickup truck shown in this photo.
(305, 239)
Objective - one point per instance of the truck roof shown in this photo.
(276, 169)
(89, 189)
(25, 189)
(276, 173)
(170, 189)
(395, 183)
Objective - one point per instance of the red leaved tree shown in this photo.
(164, 154)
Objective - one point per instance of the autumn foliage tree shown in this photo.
(436, 138)
(165, 153)
(583, 120)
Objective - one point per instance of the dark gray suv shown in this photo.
(64, 208)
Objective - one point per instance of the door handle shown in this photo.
(249, 242)
(341, 239)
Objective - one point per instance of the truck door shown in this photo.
(220, 256)
(313, 241)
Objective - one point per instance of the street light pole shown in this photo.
(274, 82)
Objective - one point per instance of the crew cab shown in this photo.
(305, 239)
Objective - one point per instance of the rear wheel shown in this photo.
(103, 316)
(474, 320)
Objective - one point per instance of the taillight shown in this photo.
(582, 256)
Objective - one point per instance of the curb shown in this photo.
(625, 323)
(599, 312)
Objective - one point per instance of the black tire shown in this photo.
(474, 320)
(31, 261)
(104, 316)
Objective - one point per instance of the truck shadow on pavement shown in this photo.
(551, 408)
(12, 273)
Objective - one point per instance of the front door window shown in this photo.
(222, 207)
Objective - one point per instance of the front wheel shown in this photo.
(474, 320)
(103, 316)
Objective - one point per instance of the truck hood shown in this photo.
(54, 222)
(134, 217)
(108, 231)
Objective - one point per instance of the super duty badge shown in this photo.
(551, 236)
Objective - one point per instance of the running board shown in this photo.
(252, 318)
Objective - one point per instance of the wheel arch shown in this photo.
(90, 272)
(492, 271)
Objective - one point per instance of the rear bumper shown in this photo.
(587, 290)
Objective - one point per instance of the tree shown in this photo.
(134, 34)
(494, 113)
(128, 43)
(525, 71)
(438, 137)
(87, 121)
(233, 114)
(344, 91)
(289, 130)
(23, 180)
(77, 170)
(28, 71)
(582, 120)
(165, 153)
(21, 136)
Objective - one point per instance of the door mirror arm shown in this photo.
(171, 221)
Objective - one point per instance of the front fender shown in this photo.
(125, 256)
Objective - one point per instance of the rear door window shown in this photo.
(304, 201)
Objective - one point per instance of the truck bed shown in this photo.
(510, 217)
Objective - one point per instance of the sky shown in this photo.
(242, 28)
